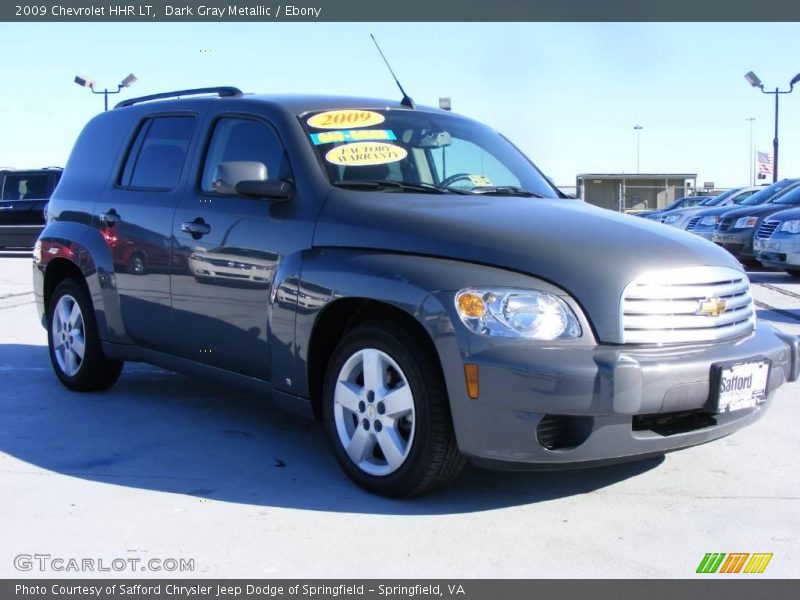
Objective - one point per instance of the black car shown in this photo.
(23, 195)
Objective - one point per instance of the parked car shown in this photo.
(777, 241)
(682, 217)
(679, 217)
(23, 195)
(705, 221)
(687, 202)
(416, 305)
(736, 229)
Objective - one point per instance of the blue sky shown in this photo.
(567, 94)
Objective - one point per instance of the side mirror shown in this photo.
(229, 174)
(274, 189)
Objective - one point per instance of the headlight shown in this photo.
(709, 221)
(515, 313)
(746, 222)
(791, 226)
(670, 219)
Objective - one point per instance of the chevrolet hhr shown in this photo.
(403, 274)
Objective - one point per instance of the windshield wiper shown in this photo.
(426, 188)
(504, 190)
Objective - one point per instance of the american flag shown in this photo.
(765, 165)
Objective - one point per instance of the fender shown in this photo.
(85, 247)
(411, 283)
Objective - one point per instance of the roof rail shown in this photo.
(221, 91)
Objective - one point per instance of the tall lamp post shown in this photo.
(86, 82)
(638, 129)
(752, 162)
(753, 80)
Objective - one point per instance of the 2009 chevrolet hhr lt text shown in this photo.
(402, 273)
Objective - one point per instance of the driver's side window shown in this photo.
(239, 139)
(465, 158)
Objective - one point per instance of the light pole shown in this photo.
(638, 129)
(86, 82)
(752, 163)
(753, 80)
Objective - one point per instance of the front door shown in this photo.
(227, 250)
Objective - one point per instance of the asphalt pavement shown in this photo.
(164, 466)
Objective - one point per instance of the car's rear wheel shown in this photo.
(75, 350)
(137, 266)
(387, 414)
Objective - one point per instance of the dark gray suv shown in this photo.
(402, 273)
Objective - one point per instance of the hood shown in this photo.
(787, 214)
(591, 253)
(721, 210)
(759, 210)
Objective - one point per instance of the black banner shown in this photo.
(371, 589)
(407, 10)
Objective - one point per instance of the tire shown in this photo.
(75, 350)
(420, 453)
(136, 265)
(794, 272)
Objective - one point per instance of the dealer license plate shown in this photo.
(742, 385)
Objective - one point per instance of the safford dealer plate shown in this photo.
(741, 385)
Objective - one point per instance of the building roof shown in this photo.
(637, 176)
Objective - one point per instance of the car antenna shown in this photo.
(406, 101)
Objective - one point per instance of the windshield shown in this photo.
(768, 192)
(399, 150)
(790, 197)
(712, 201)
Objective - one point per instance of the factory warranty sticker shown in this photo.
(337, 119)
(365, 153)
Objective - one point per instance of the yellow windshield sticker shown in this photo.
(337, 119)
(480, 181)
(365, 153)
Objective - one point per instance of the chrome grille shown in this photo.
(724, 224)
(667, 307)
(693, 223)
(766, 229)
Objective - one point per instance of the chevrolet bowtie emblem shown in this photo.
(712, 307)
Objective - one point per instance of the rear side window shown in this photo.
(26, 186)
(156, 158)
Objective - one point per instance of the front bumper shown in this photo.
(781, 251)
(704, 232)
(738, 243)
(614, 402)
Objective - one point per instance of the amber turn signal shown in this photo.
(471, 373)
(471, 305)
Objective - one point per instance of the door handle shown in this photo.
(110, 218)
(6, 206)
(197, 228)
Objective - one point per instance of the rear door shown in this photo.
(223, 272)
(135, 218)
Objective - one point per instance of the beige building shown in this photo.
(646, 191)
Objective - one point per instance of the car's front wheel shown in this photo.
(75, 350)
(387, 414)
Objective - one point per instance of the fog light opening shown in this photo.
(560, 432)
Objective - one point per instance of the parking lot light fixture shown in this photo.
(89, 83)
(753, 80)
(638, 129)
